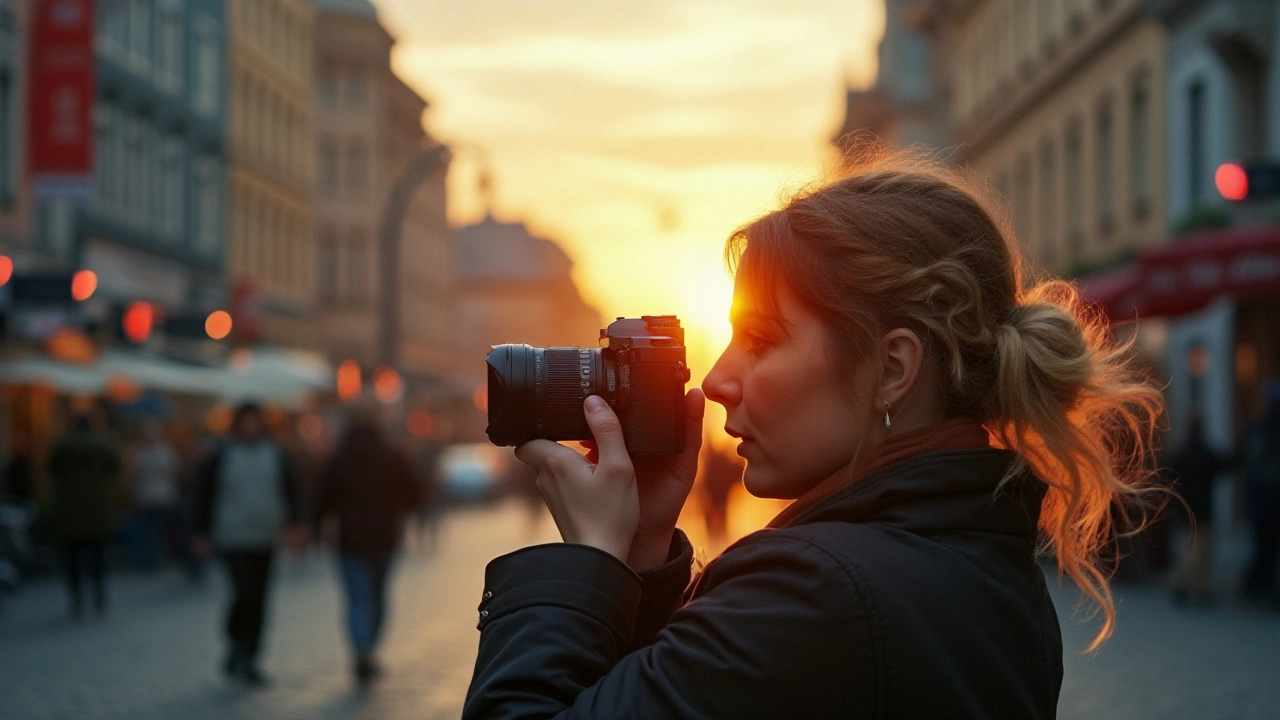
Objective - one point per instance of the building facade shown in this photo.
(904, 107)
(369, 130)
(1060, 104)
(15, 194)
(1223, 83)
(513, 287)
(154, 228)
(270, 259)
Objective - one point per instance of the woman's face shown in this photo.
(797, 418)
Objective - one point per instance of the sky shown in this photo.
(636, 133)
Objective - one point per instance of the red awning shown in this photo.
(1186, 275)
(1117, 292)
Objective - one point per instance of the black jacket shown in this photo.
(911, 593)
(370, 486)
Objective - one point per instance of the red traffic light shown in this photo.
(137, 321)
(1232, 181)
(83, 285)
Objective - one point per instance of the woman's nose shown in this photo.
(721, 385)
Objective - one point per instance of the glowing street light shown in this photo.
(6, 269)
(348, 380)
(138, 320)
(218, 324)
(83, 285)
(388, 385)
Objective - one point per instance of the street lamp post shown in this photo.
(420, 168)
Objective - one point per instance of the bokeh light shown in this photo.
(83, 284)
(218, 324)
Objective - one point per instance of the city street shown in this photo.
(156, 654)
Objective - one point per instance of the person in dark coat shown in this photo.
(1193, 469)
(371, 488)
(86, 471)
(247, 495)
(932, 422)
(1259, 455)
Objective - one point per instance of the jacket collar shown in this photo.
(939, 492)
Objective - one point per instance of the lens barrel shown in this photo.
(538, 392)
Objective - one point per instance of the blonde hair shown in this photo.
(899, 240)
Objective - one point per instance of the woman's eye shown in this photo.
(756, 343)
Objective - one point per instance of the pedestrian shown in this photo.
(1193, 469)
(431, 509)
(1259, 454)
(370, 488)
(85, 467)
(931, 418)
(156, 467)
(247, 495)
(19, 485)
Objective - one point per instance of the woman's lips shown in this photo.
(742, 446)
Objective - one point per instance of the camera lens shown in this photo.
(538, 392)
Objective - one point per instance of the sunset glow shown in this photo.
(639, 134)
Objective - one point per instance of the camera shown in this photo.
(639, 370)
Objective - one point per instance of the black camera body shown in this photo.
(640, 371)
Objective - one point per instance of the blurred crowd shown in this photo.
(150, 496)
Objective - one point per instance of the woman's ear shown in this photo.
(901, 357)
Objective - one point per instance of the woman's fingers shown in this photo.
(545, 456)
(606, 429)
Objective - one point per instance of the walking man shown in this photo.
(370, 487)
(85, 469)
(247, 494)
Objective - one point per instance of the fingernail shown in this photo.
(595, 403)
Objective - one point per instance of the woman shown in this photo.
(934, 424)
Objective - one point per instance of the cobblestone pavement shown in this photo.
(156, 653)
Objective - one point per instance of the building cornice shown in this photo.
(976, 137)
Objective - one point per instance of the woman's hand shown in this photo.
(593, 500)
(663, 483)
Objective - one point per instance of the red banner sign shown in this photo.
(61, 97)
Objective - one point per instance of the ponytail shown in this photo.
(1072, 404)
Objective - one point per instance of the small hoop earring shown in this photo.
(886, 415)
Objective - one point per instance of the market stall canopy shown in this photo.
(274, 375)
(277, 376)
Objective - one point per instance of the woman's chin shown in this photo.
(765, 485)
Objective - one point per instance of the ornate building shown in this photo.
(1060, 104)
(270, 261)
(514, 287)
(369, 129)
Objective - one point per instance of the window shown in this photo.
(327, 85)
(357, 289)
(113, 27)
(1022, 200)
(140, 33)
(170, 45)
(1105, 166)
(357, 169)
(206, 61)
(1074, 192)
(173, 201)
(106, 175)
(357, 87)
(1048, 205)
(1139, 147)
(1195, 136)
(8, 169)
(328, 169)
(208, 184)
(1048, 24)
